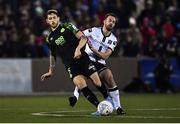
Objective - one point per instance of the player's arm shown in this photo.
(107, 53)
(102, 55)
(52, 62)
(81, 44)
(82, 39)
(88, 32)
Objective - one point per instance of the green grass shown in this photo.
(139, 107)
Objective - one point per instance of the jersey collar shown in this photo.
(103, 33)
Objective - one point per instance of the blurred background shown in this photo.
(146, 59)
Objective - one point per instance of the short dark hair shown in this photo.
(111, 14)
(52, 11)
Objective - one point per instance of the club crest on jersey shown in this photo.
(114, 43)
(62, 30)
(109, 41)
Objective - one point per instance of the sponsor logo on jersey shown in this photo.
(114, 43)
(109, 41)
(91, 67)
(60, 40)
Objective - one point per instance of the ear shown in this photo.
(104, 21)
(58, 18)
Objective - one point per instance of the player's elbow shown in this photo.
(84, 38)
(105, 57)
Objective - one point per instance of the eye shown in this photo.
(111, 20)
(50, 18)
(54, 17)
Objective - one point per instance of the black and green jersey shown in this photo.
(64, 42)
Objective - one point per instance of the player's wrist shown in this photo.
(78, 48)
(50, 71)
(94, 50)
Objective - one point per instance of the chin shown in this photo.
(109, 29)
(54, 26)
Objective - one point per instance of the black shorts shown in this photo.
(82, 66)
(99, 67)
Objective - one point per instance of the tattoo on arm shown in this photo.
(52, 57)
(52, 61)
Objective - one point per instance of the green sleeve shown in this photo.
(71, 27)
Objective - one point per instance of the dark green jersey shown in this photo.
(64, 42)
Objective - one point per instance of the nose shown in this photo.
(53, 23)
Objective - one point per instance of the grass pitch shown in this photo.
(48, 109)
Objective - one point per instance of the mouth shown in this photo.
(110, 25)
(53, 23)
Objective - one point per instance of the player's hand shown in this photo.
(46, 76)
(77, 54)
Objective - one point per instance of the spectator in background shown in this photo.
(168, 28)
(162, 74)
(85, 14)
(25, 49)
(157, 23)
(133, 40)
(148, 33)
(2, 41)
(178, 41)
(148, 11)
(10, 45)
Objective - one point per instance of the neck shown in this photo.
(105, 31)
(54, 28)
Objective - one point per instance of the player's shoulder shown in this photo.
(94, 29)
(113, 37)
(67, 24)
(70, 26)
(97, 28)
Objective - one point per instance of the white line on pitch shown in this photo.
(124, 116)
(155, 109)
(136, 109)
(150, 117)
(55, 113)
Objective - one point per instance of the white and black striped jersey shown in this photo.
(100, 42)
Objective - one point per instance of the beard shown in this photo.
(109, 27)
